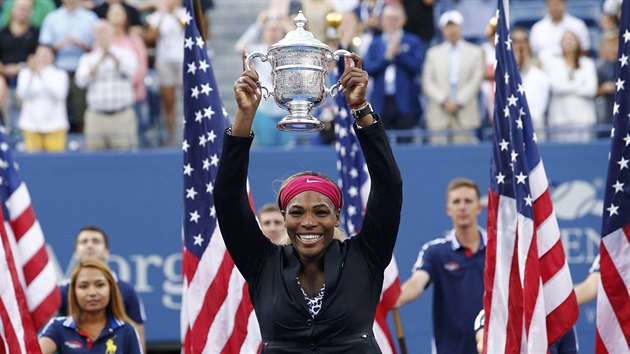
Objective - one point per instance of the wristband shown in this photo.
(362, 111)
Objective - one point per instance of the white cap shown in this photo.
(451, 17)
(611, 7)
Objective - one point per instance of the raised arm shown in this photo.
(244, 240)
(382, 218)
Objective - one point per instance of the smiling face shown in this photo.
(92, 290)
(463, 207)
(311, 219)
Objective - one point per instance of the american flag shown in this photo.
(529, 299)
(354, 182)
(217, 315)
(613, 297)
(25, 251)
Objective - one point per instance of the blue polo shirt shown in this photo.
(118, 337)
(458, 292)
(132, 302)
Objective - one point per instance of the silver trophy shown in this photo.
(299, 64)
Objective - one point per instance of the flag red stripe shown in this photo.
(552, 262)
(531, 283)
(30, 338)
(390, 296)
(2, 343)
(35, 265)
(543, 208)
(9, 332)
(561, 318)
(615, 290)
(189, 265)
(43, 312)
(239, 332)
(600, 348)
(23, 223)
(491, 256)
(214, 298)
(514, 328)
(388, 299)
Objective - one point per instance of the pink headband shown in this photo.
(310, 183)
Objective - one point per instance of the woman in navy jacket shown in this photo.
(316, 294)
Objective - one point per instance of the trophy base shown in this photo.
(299, 119)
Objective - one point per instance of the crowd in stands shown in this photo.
(81, 67)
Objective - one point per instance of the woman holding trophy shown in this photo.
(316, 293)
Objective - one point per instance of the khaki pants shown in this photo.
(118, 131)
(54, 141)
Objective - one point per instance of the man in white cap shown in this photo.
(453, 89)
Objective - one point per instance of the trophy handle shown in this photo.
(334, 89)
(248, 62)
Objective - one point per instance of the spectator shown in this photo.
(17, 42)
(611, 12)
(43, 89)
(369, 12)
(69, 31)
(451, 81)
(535, 81)
(546, 34)
(41, 8)
(168, 32)
(573, 89)
(271, 222)
(97, 322)
(455, 265)
(394, 61)
(420, 19)
(133, 15)
(606, 64)
(107, 72)
(270, 31)
(117, 16)
(315, 12)
(489, 55)
(92, 242)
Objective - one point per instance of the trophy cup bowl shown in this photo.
(299, 68)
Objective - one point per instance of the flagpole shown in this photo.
(506, 9)
(399, 331)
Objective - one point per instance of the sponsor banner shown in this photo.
(137, 199)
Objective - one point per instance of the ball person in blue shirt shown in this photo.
(97, 322)
(454, 264)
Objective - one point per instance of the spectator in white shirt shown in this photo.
(108, 72)
(167, 29)
(43, 89)
(546, 34)
(573, 89)
(535, 81)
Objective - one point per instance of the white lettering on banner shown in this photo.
(142, 269)
(581, 245)
(172, 286)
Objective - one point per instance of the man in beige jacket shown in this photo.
(453, 89)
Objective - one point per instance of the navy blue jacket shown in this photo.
(408, 68)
